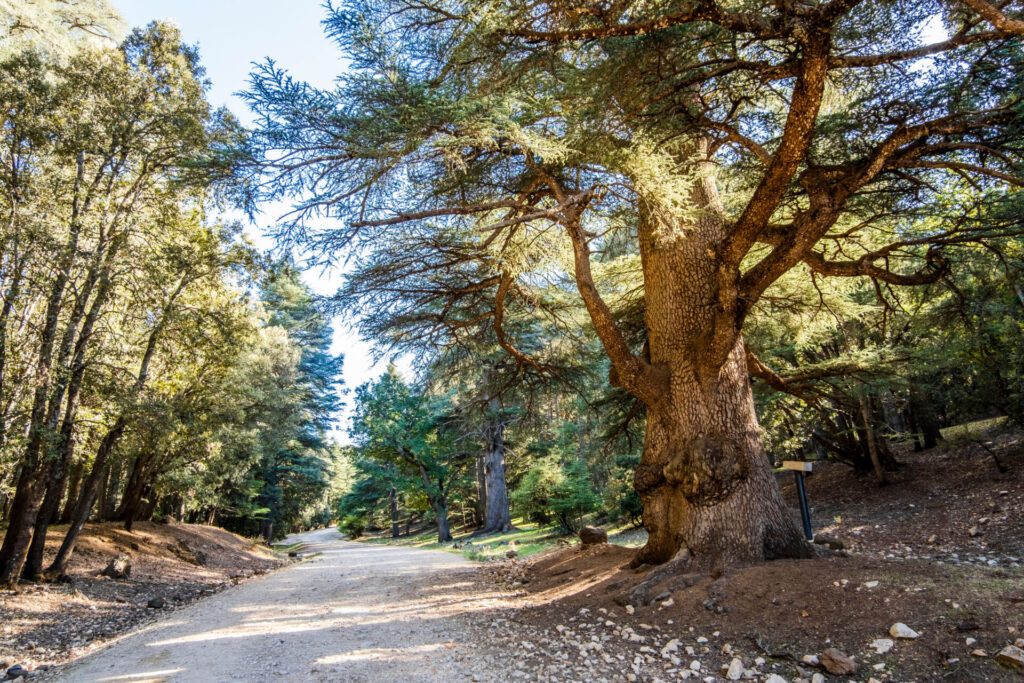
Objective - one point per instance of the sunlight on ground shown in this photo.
(145, 677)
(387, 654)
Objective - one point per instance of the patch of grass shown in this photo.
(286, 548)
(526, 539)
(969, 430)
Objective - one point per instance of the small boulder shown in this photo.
(16, 671)
(156, 603)
(1011, 656)
(882, 645)
(593, 535)
(736, 669)
(901, 630)
(837, 663)
(119, 568)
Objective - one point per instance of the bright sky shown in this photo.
(231, 36)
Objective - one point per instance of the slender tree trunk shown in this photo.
(58, 468)
(99, 475)
(100, 468)
(704, 478)
(5, 313)
(438, 503)
(29, 495)
(111, 480)
(135, 489)
(393, 507)
(876, 460)
(74, 482)
(480, 509)
(498, 516)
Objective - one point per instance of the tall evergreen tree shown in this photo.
(513, 144)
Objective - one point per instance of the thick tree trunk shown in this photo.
(498, 516)
(925, 417)
(444, 533)
(704, 478)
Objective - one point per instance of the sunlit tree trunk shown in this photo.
(704, 478)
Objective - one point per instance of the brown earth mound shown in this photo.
(175, 563)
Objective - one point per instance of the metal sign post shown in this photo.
(799, 469)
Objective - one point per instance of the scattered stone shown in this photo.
(882, 645)
(735, 671)
(970, 641)
(933, 539)
(818, 678)
(901, 630)
(810, 660)
(775, 678)
(593, 535)
(979, 653)
(630, 609)
(974, 532)
(1011, 656)
(156, 603)
(871, 584)
(119, 568)
(837, 663)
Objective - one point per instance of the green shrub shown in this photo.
(554, 492)
(353, 525)
(621, 501)
(574, 496)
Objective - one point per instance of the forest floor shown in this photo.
(43, 624)
(939, 549)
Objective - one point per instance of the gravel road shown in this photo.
(356, 613)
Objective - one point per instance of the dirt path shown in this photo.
(356, 613)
